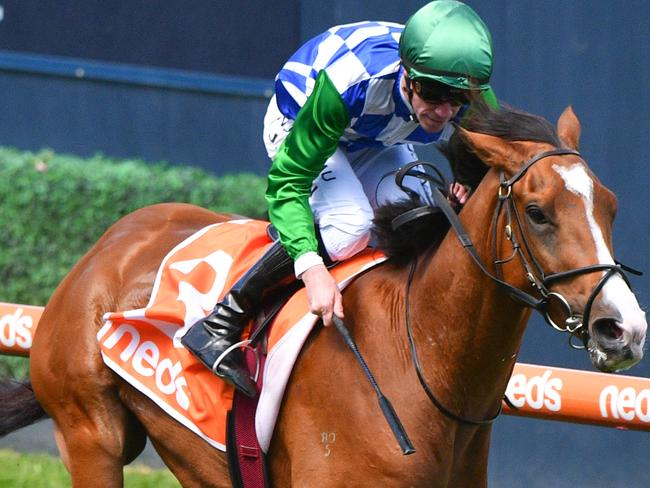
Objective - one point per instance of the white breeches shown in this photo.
(349, 188)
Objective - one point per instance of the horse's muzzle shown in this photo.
(612, 346)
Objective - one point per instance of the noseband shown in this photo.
(576, 324)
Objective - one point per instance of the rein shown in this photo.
(577, 325)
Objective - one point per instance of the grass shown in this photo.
(45, 471)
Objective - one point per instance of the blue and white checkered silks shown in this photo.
(362, 60)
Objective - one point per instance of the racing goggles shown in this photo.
(435, 92)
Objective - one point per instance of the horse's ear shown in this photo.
(492, 150)
(568, 129)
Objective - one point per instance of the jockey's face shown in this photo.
(432, 116)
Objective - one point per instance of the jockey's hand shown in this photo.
(323, 293)
(458, 193)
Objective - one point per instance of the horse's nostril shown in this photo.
(607, 328)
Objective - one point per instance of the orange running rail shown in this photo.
(537, 391)
(17, 326)
(580, 396)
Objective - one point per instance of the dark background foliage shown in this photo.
(53, 208)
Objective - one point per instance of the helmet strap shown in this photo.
(409, 92)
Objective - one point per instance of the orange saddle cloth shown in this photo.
(143, 346)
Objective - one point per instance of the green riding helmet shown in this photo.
(447, 41)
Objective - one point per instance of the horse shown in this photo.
(540, 228)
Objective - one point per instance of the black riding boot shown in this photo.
(210, 337)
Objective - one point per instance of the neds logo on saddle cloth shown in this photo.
(143, 345)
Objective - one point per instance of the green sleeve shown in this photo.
(301, 157)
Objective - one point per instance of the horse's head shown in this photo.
(556, 217)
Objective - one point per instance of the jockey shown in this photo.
(347, 109)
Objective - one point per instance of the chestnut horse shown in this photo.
(556, 216)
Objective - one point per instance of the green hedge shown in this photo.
(54, 207)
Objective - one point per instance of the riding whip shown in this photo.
(386, 407)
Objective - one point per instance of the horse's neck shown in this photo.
(466, 327)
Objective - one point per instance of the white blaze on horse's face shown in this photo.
(614, 351)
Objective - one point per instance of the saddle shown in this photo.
(143, 346)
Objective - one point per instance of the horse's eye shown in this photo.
(536, 215)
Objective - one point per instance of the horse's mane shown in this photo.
(426, 233)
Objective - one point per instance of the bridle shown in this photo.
(576, 325)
